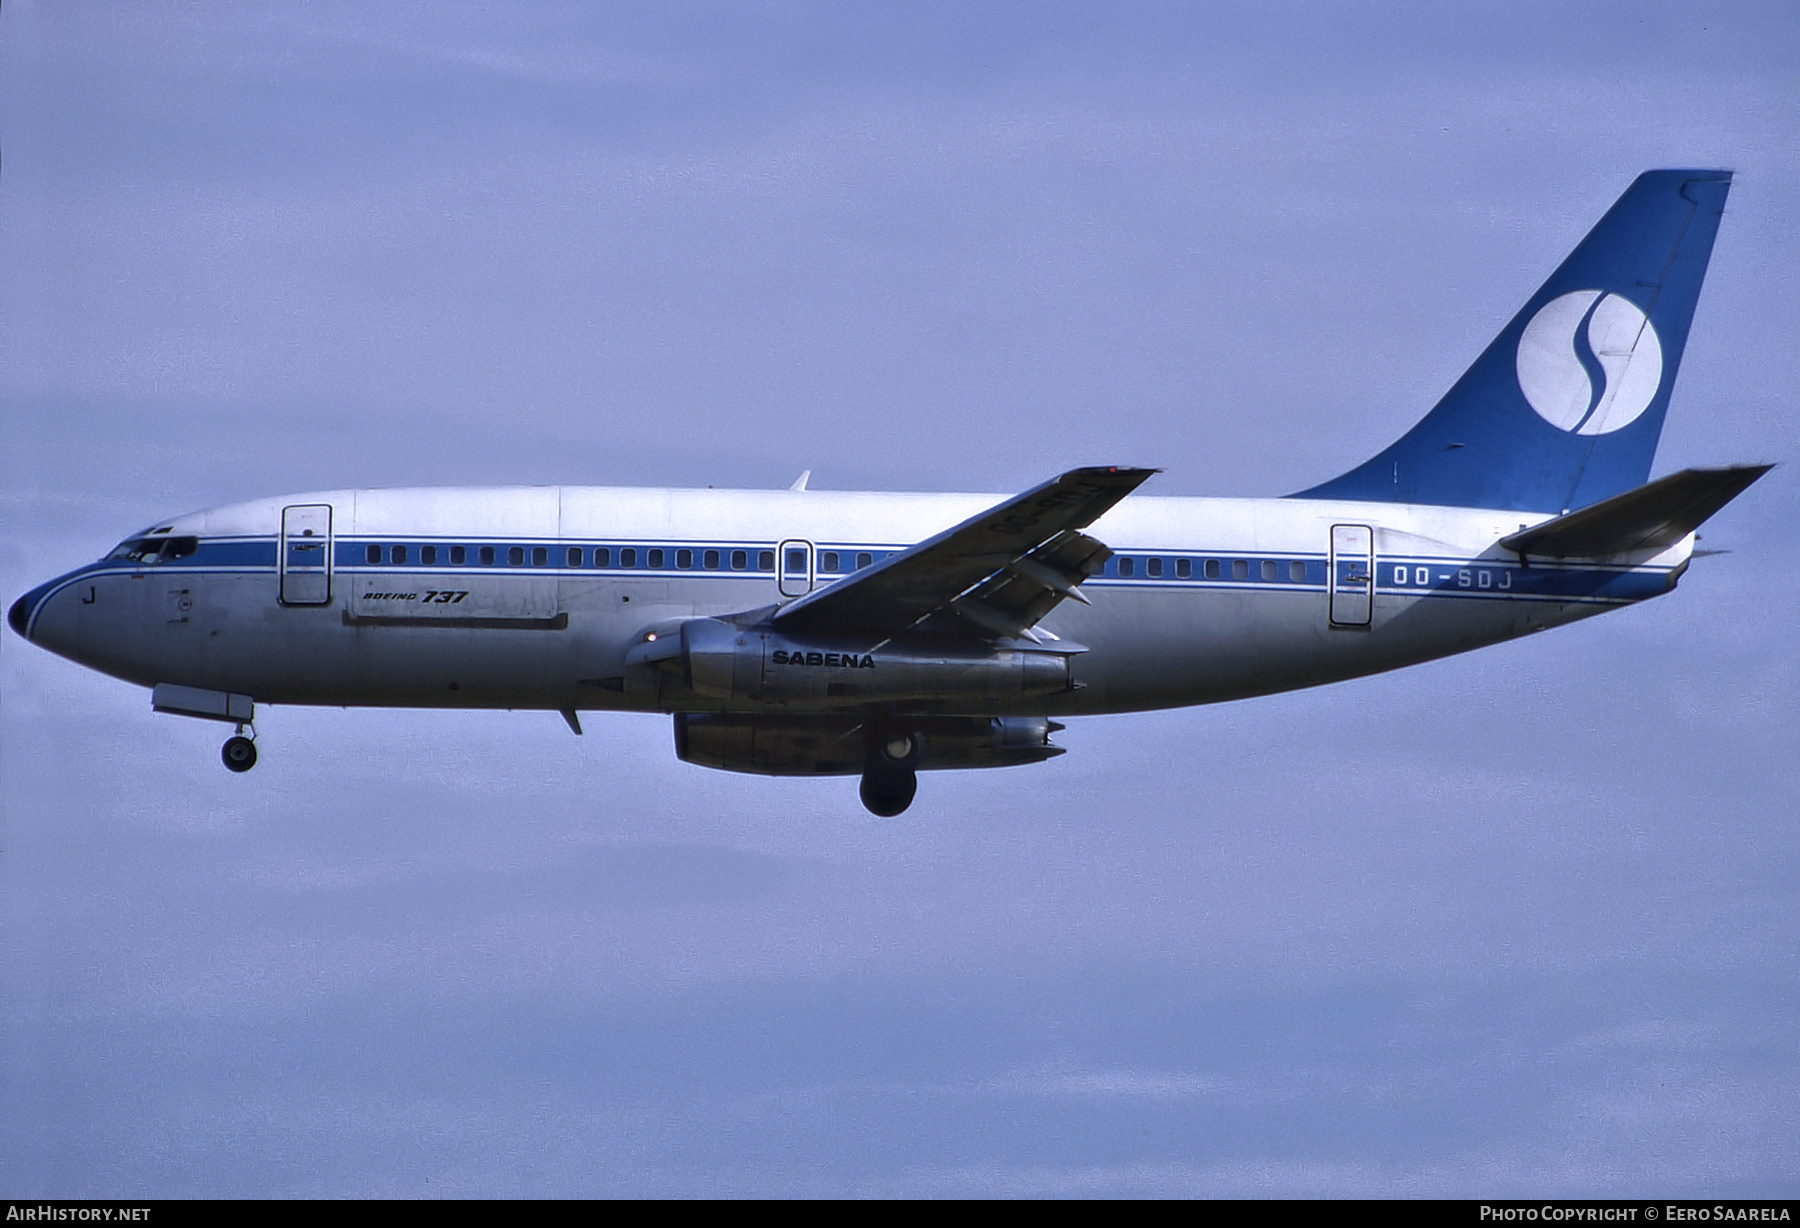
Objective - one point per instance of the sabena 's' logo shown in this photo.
(1590, 362)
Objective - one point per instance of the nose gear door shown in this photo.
(306, 554)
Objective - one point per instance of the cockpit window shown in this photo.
(135, 550)
(138, 550)
(147, 551)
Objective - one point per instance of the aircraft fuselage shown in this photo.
(533, 597)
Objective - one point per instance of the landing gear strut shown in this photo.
(890, 771)
(239, 753)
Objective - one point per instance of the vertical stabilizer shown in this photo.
(1564, 409)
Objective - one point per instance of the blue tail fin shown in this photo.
(1565, 407)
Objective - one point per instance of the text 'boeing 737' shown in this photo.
(806, 633)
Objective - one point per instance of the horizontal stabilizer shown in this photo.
(1651, 517)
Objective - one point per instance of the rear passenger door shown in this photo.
(1352, 574)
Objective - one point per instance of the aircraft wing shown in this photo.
(993, 575)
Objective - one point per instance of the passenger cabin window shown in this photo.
(628, 557)
(796, 562)
(1184, 568)
(1211, 569)
(487, 556)
(1127, 567)
(540, 556)
(602, 556)
(373, 554)
(684, 559)
(399, 555)
(574, 556)
(458, 556)
(1153, 568)
(864, 559)
(765, 560)
(828, 561)
(740, 560)
(654, 560)
(515, 556)
(428, 555)
(1268, 569)
(1240, 569)
(1297, 572)
(711, 559)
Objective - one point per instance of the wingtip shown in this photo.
(1134, 473)
(1747, 474)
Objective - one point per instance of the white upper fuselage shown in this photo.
(1206, 599)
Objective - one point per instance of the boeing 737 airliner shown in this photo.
(810, 633)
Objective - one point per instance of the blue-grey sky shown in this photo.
(1520, 922)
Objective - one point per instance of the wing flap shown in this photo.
(966, 572)
(1015, 597)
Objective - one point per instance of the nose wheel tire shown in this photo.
(888, 792)
(239, 754)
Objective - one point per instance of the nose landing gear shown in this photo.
(891, 771)
(239, 753)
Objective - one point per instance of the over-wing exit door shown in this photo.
(795, 558)
(1352, 574)
(306, 554)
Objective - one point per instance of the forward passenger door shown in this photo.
(305, 559)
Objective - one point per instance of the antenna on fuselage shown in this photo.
(800, 482)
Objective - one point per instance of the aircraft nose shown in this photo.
(20, 614)
(22, 609)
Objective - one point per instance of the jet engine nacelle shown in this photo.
(746, 663)
(839, 746)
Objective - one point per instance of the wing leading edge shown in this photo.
(995, 574)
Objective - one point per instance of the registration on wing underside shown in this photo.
(451, 597)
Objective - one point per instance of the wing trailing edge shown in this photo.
(995, 574)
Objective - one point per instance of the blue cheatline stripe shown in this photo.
(351, 553)
(1398, 575)
(252, 554)
(1567, 583)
